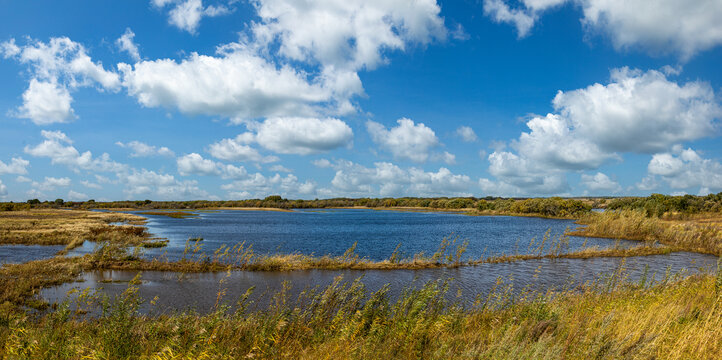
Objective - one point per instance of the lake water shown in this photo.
(14, 254)
(377, 233)
(199, 291)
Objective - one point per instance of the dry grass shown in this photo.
(698, 233)
(67, 227)
(612, 319)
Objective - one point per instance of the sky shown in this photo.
(237, 99)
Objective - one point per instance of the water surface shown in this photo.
(200, 291)
(377, 233)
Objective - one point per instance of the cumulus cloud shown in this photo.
(407, 141)
(387, 179)
(600, 184)
(303, 136)
(46, 103)
(656, 26)
(641, 111)
(257, 185)
(91, 185)
(237, 149)
(16, 166)
(187, 14)
(125, 43)
(150, 183)
(466, 134)
(140, 149)
(195, 164)
(3, 189)
(77, 196)
(237, 84)
(50, 183)
(56, 67)
(638, 112)
(686, 169)
(59, 149)
(347, 34)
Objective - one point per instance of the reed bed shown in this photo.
(698, 233)
(677, 318)
(69, 227)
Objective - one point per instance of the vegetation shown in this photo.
(698, 233)
(550, 207)
(70, 228)
(611, 318)
(658, 205)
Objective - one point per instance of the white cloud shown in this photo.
(639, 112)
(195, 164)
(22, 179)
(165, 186)
(519, 176)
(258, 186)
(91, 185)
(686, 169)
(657, 26)
(387, 179)
(56, 67)
(3, 189)
(237, 84)
(303, 136)
(237, 150)
(77, 196)
(16, 166)
(125, 43)
(280, 168)
(407, 141)
(187, 14)
(46, 103)
(466, 134)
(600, 184)
(58, 147)
(51, 183)
(140, 149)
(347, 34)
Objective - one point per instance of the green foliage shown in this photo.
(658, 204)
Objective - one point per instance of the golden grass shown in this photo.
(66, 227)
(613, 319)
(698, 233)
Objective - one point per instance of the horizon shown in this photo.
(174, 100)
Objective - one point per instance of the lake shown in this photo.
(376, 232)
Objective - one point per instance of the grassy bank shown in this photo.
(691, 232)
(69, 227)
(612, 319)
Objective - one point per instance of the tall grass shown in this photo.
(613, 318)
(697, 236)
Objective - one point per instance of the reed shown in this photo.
(609, 318)
(698, 233)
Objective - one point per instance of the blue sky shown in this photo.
(228, 99)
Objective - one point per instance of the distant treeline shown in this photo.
(654, 205)
(554, 207)
(658, 204)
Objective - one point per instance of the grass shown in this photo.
(698, 233)
(613, 318)
(68, 227)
